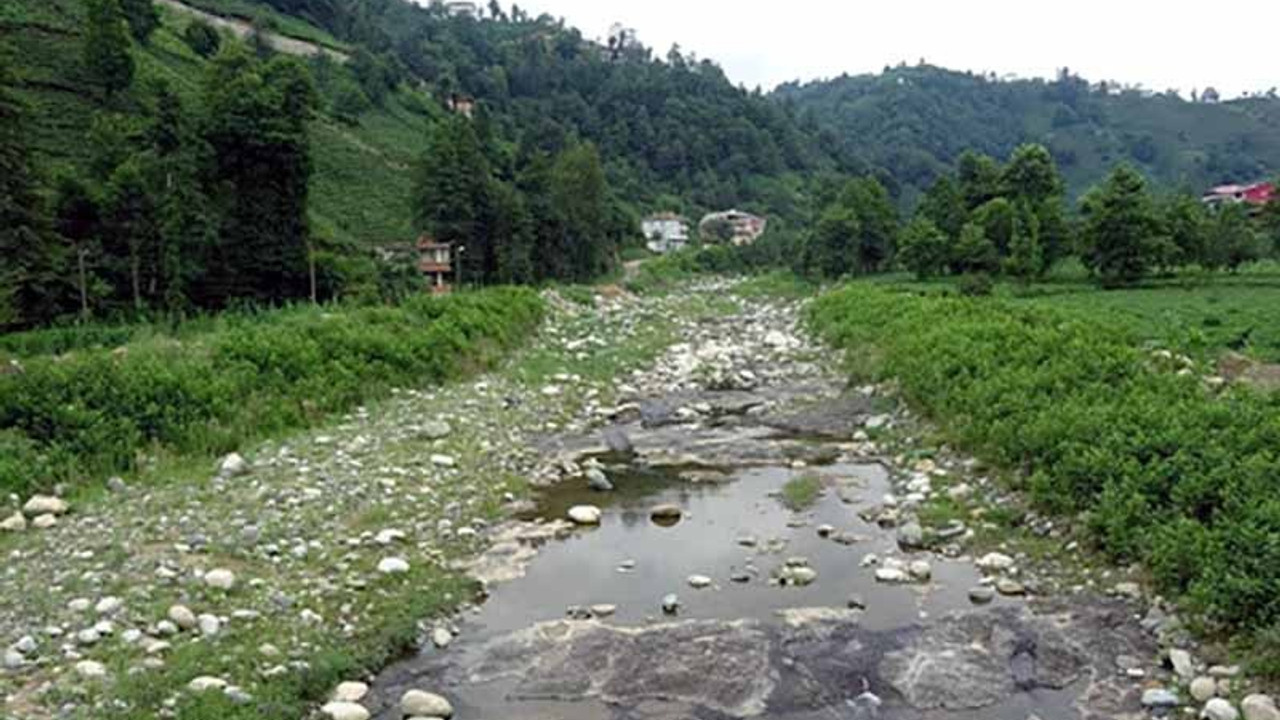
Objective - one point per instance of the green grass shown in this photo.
(1154, 465)
(801, 492)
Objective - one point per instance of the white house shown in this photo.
(665, 232)
(733, 226)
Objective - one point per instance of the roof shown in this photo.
(426, 242)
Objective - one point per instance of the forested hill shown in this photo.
(915, 121)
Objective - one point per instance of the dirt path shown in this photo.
(243, 29)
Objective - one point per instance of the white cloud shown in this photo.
(1160, 45)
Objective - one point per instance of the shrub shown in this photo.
(93, 412)
(1161, 470)
(202, 38)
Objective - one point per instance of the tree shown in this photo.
(877, 222)
(973, 252)
(944, 205)
(997, 218)
(203, 38)
(1233, 240)
(106, 46)
(1025, 260)
(451, 193)
(1032, 175)
(980, 178)
(130, 241)
(923, 248)
(1186, 223)
(579, 196)
(831, 249)
(77, 220)
(257, 132)
(1119, 227)
(32, 274)
(143, 18)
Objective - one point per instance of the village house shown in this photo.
(665, 232)
(435, 262)
(463, 105)
(733, 226)
(1255, 195)
(461, 8)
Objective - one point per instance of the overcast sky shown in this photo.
(1160, 45)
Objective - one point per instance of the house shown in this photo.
(732, 226)
(435, 262)
(461, 8)
(665, 232)
(464, 105)
(1256, 194)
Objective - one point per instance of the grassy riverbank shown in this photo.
(1158, 467)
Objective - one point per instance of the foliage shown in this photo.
(856, 232)
(95, 411)
(1163, 471)
(106, 46)
(923, 248)
(1120, 226)
(142, 17)
(203, 38)
(801, 492)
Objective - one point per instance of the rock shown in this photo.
(45, 505)
(393, 566)
(16, 522)
(891, 575)
(585, 514)
(799, 576)
(441, 637)
(1260, 707)
(205, 684)
(1203, 688)
(1182, 664)
(666, 515)
(618, 442)
(91, 670)
(26, 645)
(604, 610)
(117, 485)
(1160, 698)
(826, 531)
(232, 466)
(108, 605)
(994, 562)
(911, 536)
(209, 625)
(436, 430)
(220, 579)
(182, 616)
(1012, 588)
(344, 711)
(671, 604)
(598, 481)
(443, 461)
(920, 571)
(13, 659)
(44, 522)
(982, 595)
(1219, 709)
(424, 704)
(350, 692)
(699, 582)
(856, 602)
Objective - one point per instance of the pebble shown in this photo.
(182, 616)
(16, 522)
(45, 505)
(665, 513)
(598, 481)
(1013, 588)
(699, 582)
(603, 611)
(1160, 698)
(350, 692)
(1259, 707)
(1219, 709)
(995, 562)
(441, 637)
(209, 625)
(1203, 688)
(233, 465)
(44, 522)
(206, 683)
(1182, 664)
(109, 605)
(91, 669)
(671, 604)
(982, 595)
(393, 566)
(220, 579)
(344, 711)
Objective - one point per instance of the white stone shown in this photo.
(444, 461)
(1182, 663)
(91, 670)
(1203, 688)
(209, 625)
(109, 605)
(344, 711)
(891, 575)
(393, 566)
(1219, 709)
(425, 704)
(16, 522)
(995, 562)
(585, 514)
(441, 637)
(1260, 707)
(350, 692)
(699, 581)
(45, 505)
(44, 522)
(220, 579)
(233, 465)
(182, 616)
(206, 683)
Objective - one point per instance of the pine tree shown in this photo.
(78, 220)
(106, 46)
(579, 196)
(143, 18)
(32, 280)
(451, 195)
(1119, 225)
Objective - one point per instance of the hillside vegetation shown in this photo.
(915, 122)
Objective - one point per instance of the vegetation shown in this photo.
(801, 492)
(94, 412)
(1155, 465)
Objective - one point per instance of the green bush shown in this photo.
(93, 412)
(1159, 469)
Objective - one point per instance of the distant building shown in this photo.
(461, 8)
(435, 262)
(1256, 194)
(733, 226)
(463, 105)
(665, 232)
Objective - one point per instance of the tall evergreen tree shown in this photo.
(143, 18)
(106, 46)
(77, 218)
(1119, 225)
(451, 196)
(32, 276)
(580, 198)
